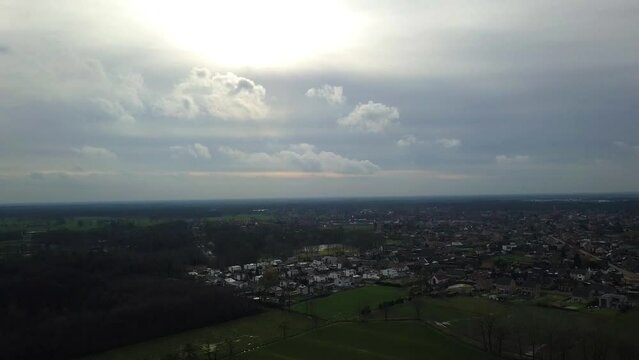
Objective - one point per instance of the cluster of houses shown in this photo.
(498, 254)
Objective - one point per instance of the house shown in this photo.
(456, 274)
(615, 301)
(529, 288)
(438, 279)
(581, 295)
(342, 282)
(504, 285)
(580, 274)
(483, 284)
(370, 276)
(390, 273)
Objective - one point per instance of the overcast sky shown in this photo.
(154, 100)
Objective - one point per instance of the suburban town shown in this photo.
(561, 259)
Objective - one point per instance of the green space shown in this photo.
(370, 340)
(71, 223)
(346, 336)
(347, 305)
(244, 218)
(439, 309)
(244, 334)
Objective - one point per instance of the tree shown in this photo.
(519, 328)
(501, 331)
(418, 304)
(189, 352)
(385, 307)
(270, 277)
(577, 260)
(229, 345)
(171, 356)
(365, 312)
(284, 327)
(486, 326)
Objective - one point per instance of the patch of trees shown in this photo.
(236, 244)
(67, 301)
(547, 335)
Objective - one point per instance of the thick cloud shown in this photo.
(224, 96)
(301, 157)
(196, 150)
(114, 109)
(529, 78)
(332, 94)
(370, 117)
(95, 152)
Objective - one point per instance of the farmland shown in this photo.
(347, 305)
(371, 340)
(242, 333)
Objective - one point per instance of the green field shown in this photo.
(71, 223)
(370, 340)
(263, 217)
(345, 337)
(244, 333)
(440, 309)
(347, 305)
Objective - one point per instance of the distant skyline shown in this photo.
(145, 100)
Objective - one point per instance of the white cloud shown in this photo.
(515, 159)
(302, 157)
(114, 109)
(370, 117)
(196, 150)
(332, 94)
(406, 141)
(448, 143)
(95, 152)
(225, 96)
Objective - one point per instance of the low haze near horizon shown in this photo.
(151, 100)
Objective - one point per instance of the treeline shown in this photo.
(236, 244)
(69, 299)
(546, 335)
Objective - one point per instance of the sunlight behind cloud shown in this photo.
(252, 33)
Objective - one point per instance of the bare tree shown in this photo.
(501, 331)
(418, 304)
(519, 328)
(229, 345)
(385, 307)
(284, 327)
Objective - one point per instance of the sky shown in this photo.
(159, 100)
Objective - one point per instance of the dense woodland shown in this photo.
(85, 291)
(240, 245)
(72, 298)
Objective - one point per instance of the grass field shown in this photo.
(346, 305)
(245, 333)
(440, 309)
(71, 223)
(370, 340)
(242, 218)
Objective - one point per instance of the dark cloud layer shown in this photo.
(448, 97)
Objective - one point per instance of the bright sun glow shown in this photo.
(253, 33)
